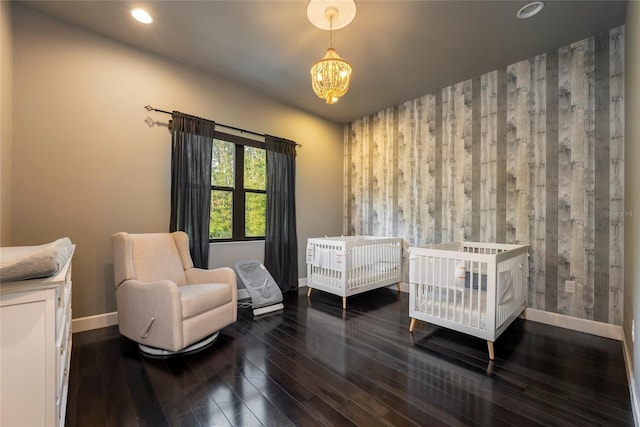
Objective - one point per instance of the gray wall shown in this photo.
(6, 121)
(529, 154)
(632, 182)
(86, 165)
(228, 253)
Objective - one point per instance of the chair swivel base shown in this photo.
(158, 352)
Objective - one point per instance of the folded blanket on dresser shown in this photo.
(30, 262)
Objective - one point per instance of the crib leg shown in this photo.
(398, 286)
(344, 303)
(309, 292)
(412, 326)
(490, 346)
(524, 314)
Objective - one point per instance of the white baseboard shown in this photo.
(94, 322)
(575, 324)
(302, 286)
(633, 389)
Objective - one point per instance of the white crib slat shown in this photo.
(481, 267)
(447, 279)
(437, 287)
(422, 273)
(423, 264)
(479, 275)
(474, 283)
(358, 259)
(472, 291)
(375, 260)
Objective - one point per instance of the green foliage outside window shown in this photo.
(255, 178)
(221, 218)
(222, 163)
(255, 168)
(223, 166)
(256, 210)
(222, 175)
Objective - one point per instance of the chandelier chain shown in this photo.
(331, 31)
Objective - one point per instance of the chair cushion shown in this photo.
(198, 299)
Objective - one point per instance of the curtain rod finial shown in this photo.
(148, 107)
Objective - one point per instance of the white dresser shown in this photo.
(35, 350)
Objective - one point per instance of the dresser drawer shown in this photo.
(63, 294)
(63, 356)
(63, 311)
(63, 385)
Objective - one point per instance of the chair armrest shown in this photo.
(218, 275)
(138, 302)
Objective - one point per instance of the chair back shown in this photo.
(150, 257)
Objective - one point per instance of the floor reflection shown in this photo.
(316, 364)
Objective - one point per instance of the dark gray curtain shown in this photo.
(281, 240)
(192, 143)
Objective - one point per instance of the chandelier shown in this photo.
(330, 76)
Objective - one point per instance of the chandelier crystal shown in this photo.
(331, 76)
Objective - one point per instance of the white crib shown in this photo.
(474, 288)
(346, 266)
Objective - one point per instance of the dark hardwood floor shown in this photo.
(314, 364)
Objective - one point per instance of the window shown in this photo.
(238, 189)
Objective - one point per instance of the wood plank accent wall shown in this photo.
(532, 154)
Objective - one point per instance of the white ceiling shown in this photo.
(399, 50)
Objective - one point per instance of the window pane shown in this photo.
(222, 160)
(221, 215)
(255, 168)
(255, 213)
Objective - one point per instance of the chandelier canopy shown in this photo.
(331, 76)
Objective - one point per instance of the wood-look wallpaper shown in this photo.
(531, 154)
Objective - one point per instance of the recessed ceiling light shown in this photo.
(141, 15)
(530, 9)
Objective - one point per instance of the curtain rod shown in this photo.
(150, 108)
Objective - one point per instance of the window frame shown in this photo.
(238, 216)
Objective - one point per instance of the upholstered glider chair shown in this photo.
(165, 304)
